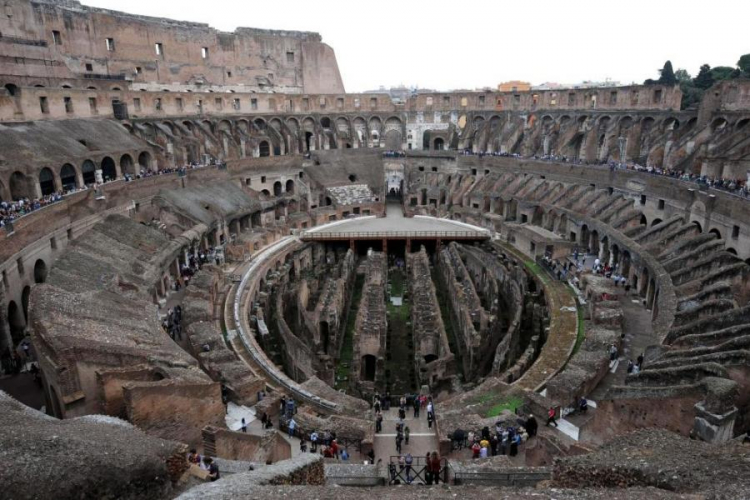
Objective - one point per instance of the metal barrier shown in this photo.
(416, 472)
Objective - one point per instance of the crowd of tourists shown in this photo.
(394, 154)
(504, 439)
(734, 186)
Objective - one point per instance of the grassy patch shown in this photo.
(446, 317)
(397, 284)
(511, 403)
(540, 273)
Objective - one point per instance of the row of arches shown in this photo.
(70, 176)
(18, 315)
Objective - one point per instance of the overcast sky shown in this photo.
(471, 43)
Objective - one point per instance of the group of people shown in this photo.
(393, 154)
(205, 463)
(635, 368)
(504, 440)
(172, 322)
(10, 211)
(407, 470)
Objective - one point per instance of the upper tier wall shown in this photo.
(61, 40)
(64, 103)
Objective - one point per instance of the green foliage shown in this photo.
(511, 404)
(722, 73)
(667, 75)
(744, 64)
(683, 76)
(705, 78)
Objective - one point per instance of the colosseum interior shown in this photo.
(217, 248)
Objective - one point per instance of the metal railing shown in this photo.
(332, 235)
(416, 472)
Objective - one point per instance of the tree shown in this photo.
(721, 73)
(744, 64)
(705, 79)
(683, 76)
(667, 75)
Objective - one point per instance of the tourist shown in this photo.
(392, 471)
(378, 422)
(612, 353)
(416, 407)
(334, 448)
(631, 365)
(434, 467)
(408, 461)
(244, 425)
(531, 425)
(213, 469)
(344, 454)
(292, 426)
(640, 360)
(406, 435)
(429, 420)
(194, 457)
(475, 450)
(314, 441)
(371, 456)
(399, 439)
(551, 416)
(302, 444)
(583, 405)
(483, 452)
(514, 445)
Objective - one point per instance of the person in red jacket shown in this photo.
(551, 416)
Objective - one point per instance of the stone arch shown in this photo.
(88, 171)
(68, 177)
(266, 193)
(290, 186)
(655, 222)
(145, 161)
(438, 144)
(393, 140)
(325, 122)
(670, 123)
(40, 271)
(16, 321)
(126, 164)
(700, 228)
(375, 125)
(109, 171)
(12, 89)
(716, 232)
(25, 294)
(277, 189)
(46, 181)
(643, 221)
(264, 149)
(718, 124)
(742, 123)
(20, 186)
(732, 251)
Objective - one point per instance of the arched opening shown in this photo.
(368, 368)
(126, 164)
(655, 222)
(325, 122)
(429, 358)
(644, 220)
(144, 160)
(328, 201)
(308, 141)
(352, 178)
(716, 232)
(264, 149)
(68, 177)
(11, 88)
(439, 144)
(16, 322)
(700, 228)
(290, 186)
(266, 193)
(732, 251)
(109, 172)
(88, 169)
(46, 181)
(277, 188)
(40, 271)
(19, 187)
(324, 336)
(25, 302)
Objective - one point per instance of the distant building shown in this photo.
(514, 86)
(586, 84)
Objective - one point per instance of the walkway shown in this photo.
(395, 225)
(422, 439)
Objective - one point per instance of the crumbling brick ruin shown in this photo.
(504, 253)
